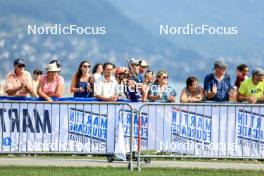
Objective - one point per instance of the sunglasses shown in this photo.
(165, 77)
(87, 66)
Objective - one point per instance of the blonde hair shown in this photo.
(158, 75)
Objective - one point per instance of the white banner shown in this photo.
(89, 128)
(203, 130)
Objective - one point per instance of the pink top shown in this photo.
(50, 87)
(13, 82)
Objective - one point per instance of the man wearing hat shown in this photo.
(133, 69)
(218, 85)
(252, 89)
(19, 81)
(134, 91)
(143, 65)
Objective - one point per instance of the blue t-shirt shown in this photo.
(140, 78)
(84, 86)
(134, 94)
(223, 86)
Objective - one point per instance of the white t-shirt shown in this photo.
(105, 88)
(97, 76)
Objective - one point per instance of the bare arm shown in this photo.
(10, 91)
(73, 89)
(42, 94)
(242, 97)
(211, 95)
(261, 99)
(184, 98)
(154, 97)
(59, 91)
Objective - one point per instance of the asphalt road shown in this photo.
(104, 163)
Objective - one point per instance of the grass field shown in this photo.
(76, 171)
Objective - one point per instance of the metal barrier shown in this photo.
(89, 128)
(86, 128)
(200, 131)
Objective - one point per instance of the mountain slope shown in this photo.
(123, 38)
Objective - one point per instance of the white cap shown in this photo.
(143, 63)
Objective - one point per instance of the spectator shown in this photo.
(133, 70)
(105, 88)
(35, 82)
(2, 89)
(252, 89)
(97, 71)
(122, 76)
(82, 83)
(19, 81)
(149, 77)
(51, 84)
(114, 69)
(242, 74)
(192, 93)
(161, 89)
(135, 90)
(59, 65)
(218, 85)
(143, 65)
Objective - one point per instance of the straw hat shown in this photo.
(52, 68)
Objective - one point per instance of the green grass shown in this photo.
(74, 171)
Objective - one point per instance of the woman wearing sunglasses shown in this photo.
(82, 84)
(161, 89)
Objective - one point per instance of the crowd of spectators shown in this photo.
(135, 82)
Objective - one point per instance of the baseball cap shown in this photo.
(143, 63)
(37, 71)
(258, 71)
(121, 70)
(220, 64)
(19, 61)
(133, 61)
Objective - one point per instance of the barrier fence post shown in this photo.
(130, 165)
(139, 140)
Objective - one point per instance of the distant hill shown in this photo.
(246, 47)
(247, 15)
(124, 37)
